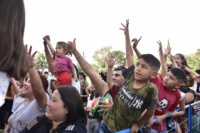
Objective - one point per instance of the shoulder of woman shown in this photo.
(77, 127)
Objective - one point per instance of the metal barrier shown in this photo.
(195, 117)
(189, 123)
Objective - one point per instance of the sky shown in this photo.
(95, 24)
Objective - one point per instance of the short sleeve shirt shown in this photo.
(62, 64)
(24, 114)
(168, 101)
(129, 103)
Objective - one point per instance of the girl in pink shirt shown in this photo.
(61, 64)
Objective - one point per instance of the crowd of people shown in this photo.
(62, 99)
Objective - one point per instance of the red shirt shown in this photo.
(168, 101)
(113, 91)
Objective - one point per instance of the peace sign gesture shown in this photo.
(30, 58)
(125, 29)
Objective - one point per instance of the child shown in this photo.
(135, 95)
(168, 93)
(179, 61)
(62, 64)
(12, 54)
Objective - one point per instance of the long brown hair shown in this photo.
(12, 53)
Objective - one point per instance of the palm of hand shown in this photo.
(110, 60)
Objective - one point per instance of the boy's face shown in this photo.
(170, 81)
(142, 70)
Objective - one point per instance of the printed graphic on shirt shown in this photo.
(162, 104)
(32, 124)
(130, 99)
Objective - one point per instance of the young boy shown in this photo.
(135, 95)
(168, 92)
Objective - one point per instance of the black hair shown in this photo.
(151, 60)
(46, 72)
(183, 59)
(198, 71)
(179, 74)
(44, 83)
(84, 76)
(120, 68)
(73, 102)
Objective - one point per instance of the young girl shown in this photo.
(179, 61)
(62, 64)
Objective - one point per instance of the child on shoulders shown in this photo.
(62, 64)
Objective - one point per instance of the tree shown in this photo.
(100, 56)
(120, 57)
(193, 60)
(40, 61)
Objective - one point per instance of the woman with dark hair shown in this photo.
(65, 114)
(12, 54)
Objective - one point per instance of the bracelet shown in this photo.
(31, 66)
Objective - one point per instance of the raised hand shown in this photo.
(46, 38)
(110, 60)
(30, 58)
(167, 51)
(171, 57)
(160, 46)
(135, 42)
(72, 46)
(125, 29)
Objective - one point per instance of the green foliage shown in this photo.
(40, 61)
(120, 57)
(193, 60)
(100, 57)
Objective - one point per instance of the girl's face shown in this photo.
(178, 60)
(55, 108)
(60, 51)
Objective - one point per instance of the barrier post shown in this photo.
(189, 114)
